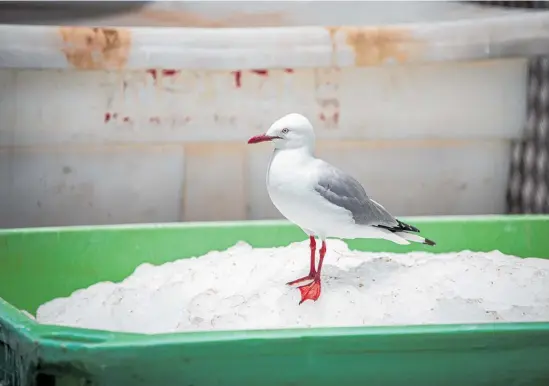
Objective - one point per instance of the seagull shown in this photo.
(324, 201)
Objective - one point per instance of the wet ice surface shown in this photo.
(244, 288)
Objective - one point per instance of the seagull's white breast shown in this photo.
(291, 179)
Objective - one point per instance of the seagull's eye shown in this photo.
(284, 131)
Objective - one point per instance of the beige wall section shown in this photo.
(215, 183)
(97, 147)
(457, 100)
(226, 181)
(98, 185)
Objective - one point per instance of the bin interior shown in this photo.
(40, 264)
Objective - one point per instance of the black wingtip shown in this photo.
(407, 227)
(429, 242)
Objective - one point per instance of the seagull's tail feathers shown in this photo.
(402, 230)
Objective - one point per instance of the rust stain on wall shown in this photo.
(96, 48)
(377, 45)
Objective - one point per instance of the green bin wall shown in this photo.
(37, 265)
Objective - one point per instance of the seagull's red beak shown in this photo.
(261, 138)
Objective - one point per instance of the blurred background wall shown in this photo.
(105, 123)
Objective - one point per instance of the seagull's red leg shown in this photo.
(311, 291)
(312, 271)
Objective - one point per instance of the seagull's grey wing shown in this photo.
(343, 190)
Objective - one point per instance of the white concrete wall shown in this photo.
(99, 147)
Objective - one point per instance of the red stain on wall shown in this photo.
(155, 119)
(261, 72)
(327, 90)
(332, 120)
(237, 78)
(289, 70)
(153, 73)
(169, 72)
(114, 116)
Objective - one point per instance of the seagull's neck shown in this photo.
(299, 153)
(291, 157)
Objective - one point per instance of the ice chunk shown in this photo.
(244, 288)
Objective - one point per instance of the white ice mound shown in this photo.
(244, 288)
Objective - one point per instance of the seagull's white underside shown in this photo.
(291, 178)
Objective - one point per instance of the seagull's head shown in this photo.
(292, 131)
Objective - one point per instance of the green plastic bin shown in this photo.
(37, 265)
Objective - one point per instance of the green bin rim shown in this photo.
(245, 223)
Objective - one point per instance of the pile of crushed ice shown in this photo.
(244, 288)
